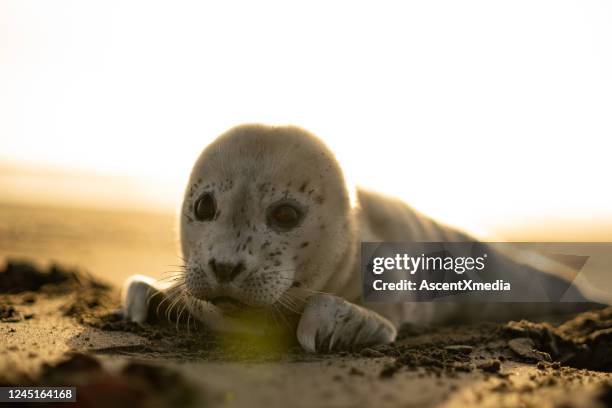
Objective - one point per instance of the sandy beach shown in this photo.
(59, 325)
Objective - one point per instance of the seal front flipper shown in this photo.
(331, 323)
(143, 299)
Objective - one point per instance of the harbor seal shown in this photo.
(268, 222)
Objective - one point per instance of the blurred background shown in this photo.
(491, 116)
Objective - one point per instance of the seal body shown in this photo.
(268, 223)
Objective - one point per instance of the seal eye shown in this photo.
(205, 207)
(284, 216)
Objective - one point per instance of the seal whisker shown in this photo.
(283, 317)
(294, 296)
(288, 300)
(186, 308)
(171, 279)
(152, 295)
(174, 280)
(181, 267)
(171, 275)
(169, 296)
(174, 273)
(178, 318)
(175, 302)
(284, 303)
(273, 314)
(312, 291)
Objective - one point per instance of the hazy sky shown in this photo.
(468, 110)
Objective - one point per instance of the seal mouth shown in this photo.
(228, 304)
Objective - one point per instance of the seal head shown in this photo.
(266, 213)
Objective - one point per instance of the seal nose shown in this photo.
(225, 271)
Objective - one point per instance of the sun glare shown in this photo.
(470, 111)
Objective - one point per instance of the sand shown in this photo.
(61, 327)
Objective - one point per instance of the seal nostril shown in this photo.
(226, 272)
(238, 269)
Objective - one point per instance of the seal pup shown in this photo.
(268, 222)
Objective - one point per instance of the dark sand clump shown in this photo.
(17, 277)
(582, 342)
(22, 283)
(136, 384)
